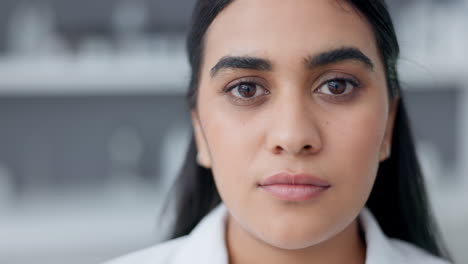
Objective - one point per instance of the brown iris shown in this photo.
(246, 90)
(337, 87)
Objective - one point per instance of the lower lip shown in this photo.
(296, 192)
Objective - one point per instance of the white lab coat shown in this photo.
(206, 244)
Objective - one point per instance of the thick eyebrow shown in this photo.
(338, 55)
(241, 62)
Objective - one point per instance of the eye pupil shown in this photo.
(246, 89)
(337, 87)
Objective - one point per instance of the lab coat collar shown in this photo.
(206, 243)
(378, 247)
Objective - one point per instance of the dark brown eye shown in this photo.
(337, 87)
(247, 90)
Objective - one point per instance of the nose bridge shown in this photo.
(294, 128)
(293, 109)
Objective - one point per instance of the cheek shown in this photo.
(358, 139)
(233, 143)
(354, 143)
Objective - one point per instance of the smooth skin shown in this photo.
(254, 120)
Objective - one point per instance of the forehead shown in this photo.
(286, 31)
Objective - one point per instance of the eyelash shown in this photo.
(250, 81)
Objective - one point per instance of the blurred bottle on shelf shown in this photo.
(125, 152)
(6, 187)
(31, 30)
(172, 155)
(129, 21)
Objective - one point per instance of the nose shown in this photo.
(294, 129)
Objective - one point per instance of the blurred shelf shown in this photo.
(432, 74)
(94, 74)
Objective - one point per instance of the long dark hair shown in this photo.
(398, 199)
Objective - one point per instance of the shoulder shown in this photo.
(161, 253)
(382, 249)
(413, 254)
(205, 244)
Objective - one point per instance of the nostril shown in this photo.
(278, 149)
(308, 147)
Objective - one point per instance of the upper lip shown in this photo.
(294, 179)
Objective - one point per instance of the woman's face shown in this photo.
(297, 88)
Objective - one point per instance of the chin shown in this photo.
(293, 244)
(293, 239)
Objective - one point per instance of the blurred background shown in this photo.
(93, 122)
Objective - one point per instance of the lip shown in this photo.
(294, 187)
